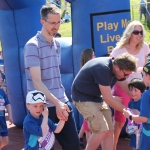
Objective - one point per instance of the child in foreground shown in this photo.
(4, 103)
(37, 127)
(136, 88)
(144, 115)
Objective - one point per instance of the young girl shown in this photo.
(86, 55)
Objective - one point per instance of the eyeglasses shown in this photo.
(53, 23)
(136, 32)
(125, 75)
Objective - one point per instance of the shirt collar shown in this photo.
(43, 39)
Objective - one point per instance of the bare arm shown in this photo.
(36, 78)
(124, 86)
(108, 98)
(138, 118)
(45, 121)
(135, 118)
(8, 107)
(60, 125)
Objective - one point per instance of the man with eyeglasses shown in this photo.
(42, 60)
(91, 94)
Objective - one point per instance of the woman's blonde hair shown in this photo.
(127, 35)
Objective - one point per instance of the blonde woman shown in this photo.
(131, 42)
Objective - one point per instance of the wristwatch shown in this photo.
(130, 117)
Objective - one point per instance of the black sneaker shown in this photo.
(127, 137)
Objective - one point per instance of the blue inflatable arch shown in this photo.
(96, 24)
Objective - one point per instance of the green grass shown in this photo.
(135, 16)
(66, 28)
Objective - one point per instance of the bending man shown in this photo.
(91, 92)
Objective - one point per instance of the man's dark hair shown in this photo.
(49, 9)
(137, 83)
(125, 61)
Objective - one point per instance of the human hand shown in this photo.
(65, 113)
(10, 120)
(62, 111)
(45, 112)
(126, 112)
(118, 98)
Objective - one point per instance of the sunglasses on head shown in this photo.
(136, 32)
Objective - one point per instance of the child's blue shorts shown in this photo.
(3, 133)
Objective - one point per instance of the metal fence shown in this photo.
(136, 13)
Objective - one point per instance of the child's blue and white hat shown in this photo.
(34, 97)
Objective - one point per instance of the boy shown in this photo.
(67, 17)
(4, 103)
(38, 129)
(144, 115)
(136, 88)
